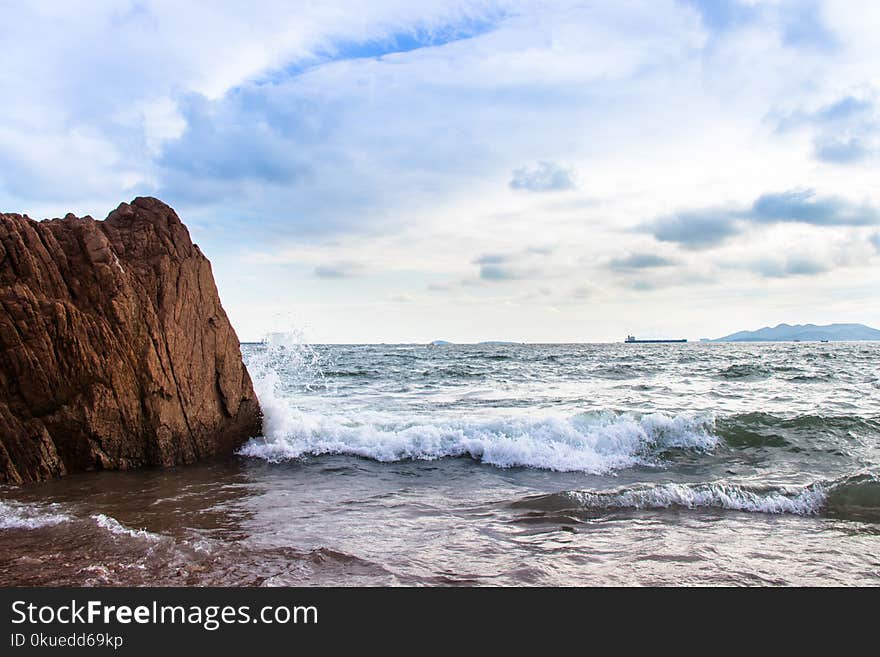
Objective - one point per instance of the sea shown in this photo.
(500, 465)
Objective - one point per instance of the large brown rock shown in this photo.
(114, 349)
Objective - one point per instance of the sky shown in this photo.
(543, 171)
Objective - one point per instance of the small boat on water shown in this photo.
(631, 339)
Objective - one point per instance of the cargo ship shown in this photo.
(632, 339)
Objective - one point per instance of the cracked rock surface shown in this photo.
(115, 352)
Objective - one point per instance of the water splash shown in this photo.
(282, 365)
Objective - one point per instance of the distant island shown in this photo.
(804, 332)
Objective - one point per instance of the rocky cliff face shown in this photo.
(114, 349)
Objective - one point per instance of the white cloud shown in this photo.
(319, 142)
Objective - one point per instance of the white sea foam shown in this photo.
(808, 501)
(593, 443)
(17, 515)
(116, 528)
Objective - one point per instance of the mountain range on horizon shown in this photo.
(807, 332)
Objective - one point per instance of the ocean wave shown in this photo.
(352, 373)
(623, 371)
(853, 497)
(812, 378)
(758, 429)
(460, 371)
(745, 371)
(588, 442)
(21, 515)
(594, 442)
(808, 501)
(856, 497)
(721, 496)
(116, 528)
(17, 515)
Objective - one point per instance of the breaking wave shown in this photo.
(285, 369)
(589, 442)
(714, 495)
(853, 497)
(17, 515)
(20, 515)
(116, 528)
